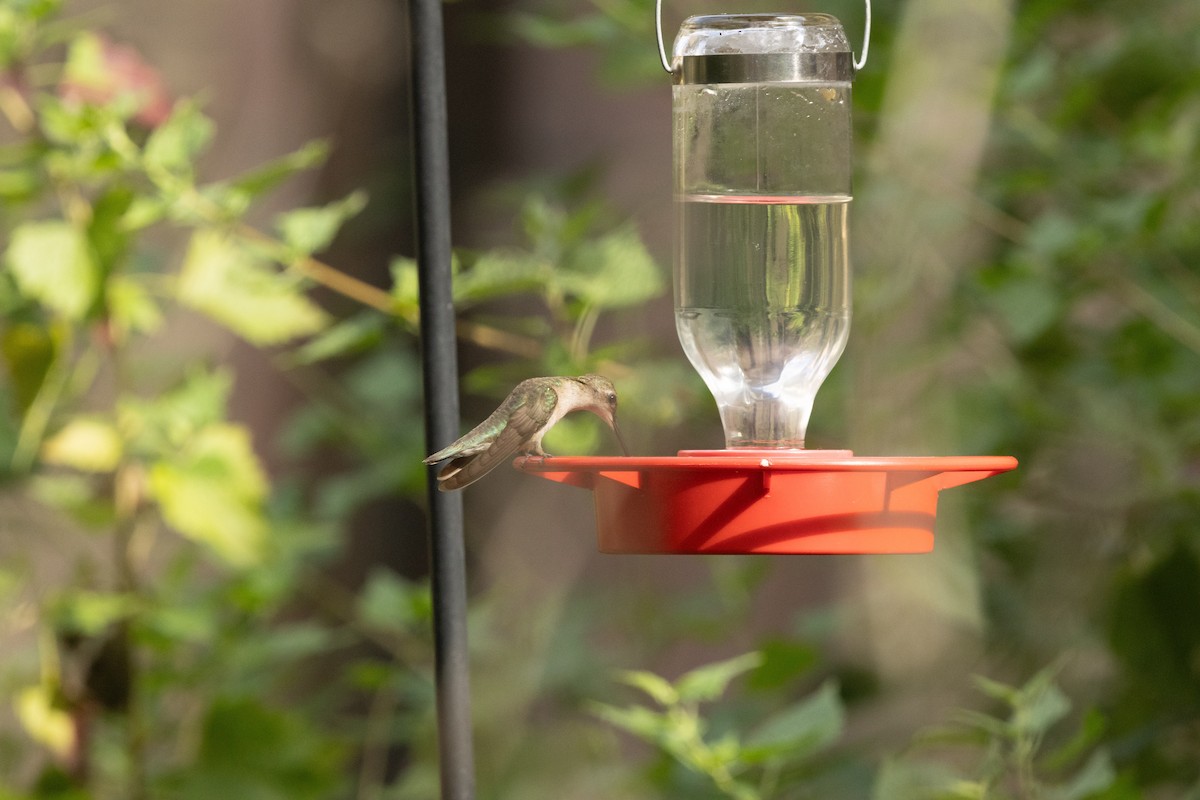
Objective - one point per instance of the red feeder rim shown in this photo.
(766, 501)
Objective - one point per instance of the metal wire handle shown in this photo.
(859, 62)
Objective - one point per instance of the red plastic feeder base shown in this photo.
(766, 501)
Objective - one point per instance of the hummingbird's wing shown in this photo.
(498, 438)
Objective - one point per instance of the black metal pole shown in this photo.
(447, 555)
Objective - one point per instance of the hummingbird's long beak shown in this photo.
(620, 438)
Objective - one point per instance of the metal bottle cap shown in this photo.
(762, 48)
(766, 68)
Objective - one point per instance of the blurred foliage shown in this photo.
(1010, 760)
(190, 641)
(787, 739)
(150, 561)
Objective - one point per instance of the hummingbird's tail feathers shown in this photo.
(443, 454)
(464, 471)
(451, 477)
(470, 465)
(476, 441)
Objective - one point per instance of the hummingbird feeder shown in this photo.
(762, 169)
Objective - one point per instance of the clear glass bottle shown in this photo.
(762, 140)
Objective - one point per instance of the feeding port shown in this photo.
(809, 502)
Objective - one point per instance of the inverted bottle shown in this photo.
(761, 109)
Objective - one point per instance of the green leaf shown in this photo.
(968, 790)
(89, 444)
(229, 283)
(28, 351)
(810, 725)
(1040, 705)
(985, 723)
(16, 35)
(212, 200)
(1053, 234)
(162, 425)
(905, 779)
(53, 264)
(657, 687)
(85, 65)
(710, 681)
(131, 307)
(310, 230)
(106, 231)
(614, 271)
(143, 212)
(349, 337)
(19, 184)
(248, 750)
(405, 291)
(74, 494)
(1028, 306)
(384, 380)
(270, 175)
(390, 602)
(1090, 731)
(46, 724)
(499, 273)
(174, 146)
(997, 691)
(175, 624)
(637, 720)
(1149, 636)
(783, 660)
(1094, 776)
(213, 492)
(202, 509)
(224, 450)
(91, 613)
(287, 644)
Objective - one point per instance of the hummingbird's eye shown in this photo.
(612, 398)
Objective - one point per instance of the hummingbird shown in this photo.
(518, 425)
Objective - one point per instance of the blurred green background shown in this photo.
(212, 546)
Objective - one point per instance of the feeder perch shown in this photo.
(762, 145)
(812, 502)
